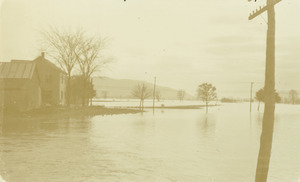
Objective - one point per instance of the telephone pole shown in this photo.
(251, 95)
(264, 155)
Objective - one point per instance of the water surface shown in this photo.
(168, 145)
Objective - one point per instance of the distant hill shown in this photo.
(122, 88)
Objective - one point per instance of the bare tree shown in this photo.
(88, 56)
(72, 50)
(207, 93)
(62, 47)
(180, 94)
(89, 59)
(141, 92)
(158, 96)
(293, 96)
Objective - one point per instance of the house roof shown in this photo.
(22, 69)
(52, 65)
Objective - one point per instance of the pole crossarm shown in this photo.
(261, 10)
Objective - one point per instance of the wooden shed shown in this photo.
(19, 86)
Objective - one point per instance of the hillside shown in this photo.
(122, 88)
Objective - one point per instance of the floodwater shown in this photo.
(167, 145)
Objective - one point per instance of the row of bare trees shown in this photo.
(77, 55)
(206, 92)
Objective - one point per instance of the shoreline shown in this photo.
(178, 107)
(65, 112)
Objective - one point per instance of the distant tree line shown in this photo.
(229, 100)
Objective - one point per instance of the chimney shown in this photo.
(43, 54)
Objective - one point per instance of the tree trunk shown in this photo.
(206, 107)
(68, 90)
(263, 160)
(83, 97)
(140, 107)
(258, 105)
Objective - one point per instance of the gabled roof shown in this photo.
(18, 69)
(52, 65)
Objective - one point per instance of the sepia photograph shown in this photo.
(149, 91)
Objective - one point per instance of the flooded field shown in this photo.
(167, 145)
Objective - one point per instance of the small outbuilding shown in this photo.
(19, 86)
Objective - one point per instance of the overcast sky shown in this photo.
(182, 43)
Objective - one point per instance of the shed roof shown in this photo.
(17, 69)
(40, 59)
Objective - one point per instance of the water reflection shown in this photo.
(34, 126)
(207, 124)
(34, 150)
(174, 145)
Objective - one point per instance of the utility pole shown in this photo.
(154, 92)
(251, 95)
(264, 155)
